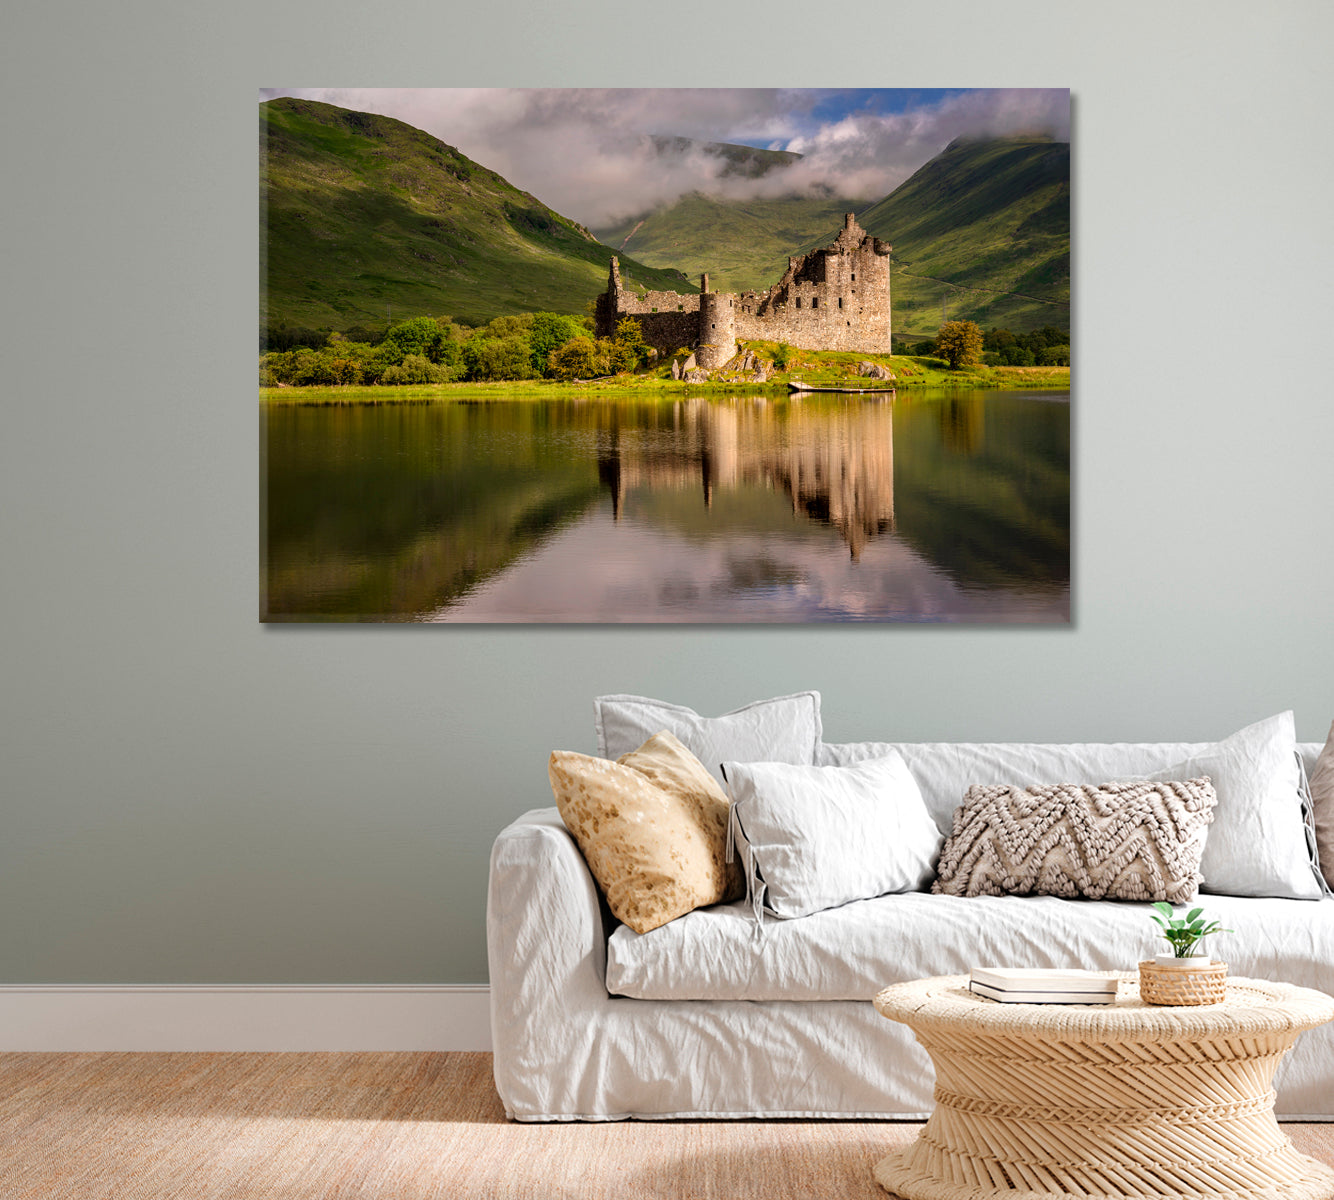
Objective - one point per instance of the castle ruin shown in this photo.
(836, 298)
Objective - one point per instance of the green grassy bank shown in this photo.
(817, 368)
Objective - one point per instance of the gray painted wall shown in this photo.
(187, 796)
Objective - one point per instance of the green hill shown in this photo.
(983, 230)
(750, 162)
(742, 244)
(364, 216)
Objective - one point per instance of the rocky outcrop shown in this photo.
(747, 367)
(872, 370)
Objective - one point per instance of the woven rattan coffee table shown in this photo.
(1127, 1099)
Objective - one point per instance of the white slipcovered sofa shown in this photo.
(714, 1016)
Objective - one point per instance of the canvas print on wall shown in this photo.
(718, 356)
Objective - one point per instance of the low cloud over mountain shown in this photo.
(589, 153)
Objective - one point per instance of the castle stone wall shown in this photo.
(669, 320)
(668, 331)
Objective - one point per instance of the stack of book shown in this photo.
(1042, 985)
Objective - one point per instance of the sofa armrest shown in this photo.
(544, 930)
(545, 943)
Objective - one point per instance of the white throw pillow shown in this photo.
(812, 838)
(1257, 843)
(946, 770)
(785, 729)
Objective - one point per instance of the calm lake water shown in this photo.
(933, 506)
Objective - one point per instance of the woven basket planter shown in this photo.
(1183, 985)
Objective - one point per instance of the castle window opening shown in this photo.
(680, 308)
(655, 309)
(840, 302)
(798, 301)
(815, 301)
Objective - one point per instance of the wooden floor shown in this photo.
(401, 1126)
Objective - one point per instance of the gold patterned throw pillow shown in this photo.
(652, 827)
(1111, 841)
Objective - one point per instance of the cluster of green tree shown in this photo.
(1045, 347)
(587, 358)
(283, 336)
(437, 350)
(293, 337)
(960, 342)
(422, 350)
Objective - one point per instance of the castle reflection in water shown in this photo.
(835, 466)
(928, 506)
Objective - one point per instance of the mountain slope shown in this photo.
(982, 230)
(364, 217)
(750, 162)
(741, 243)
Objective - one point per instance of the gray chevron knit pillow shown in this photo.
(1111, 841)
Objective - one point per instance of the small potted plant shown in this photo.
(1185, 936)
(1187, 975)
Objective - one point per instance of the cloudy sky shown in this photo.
(587, 154)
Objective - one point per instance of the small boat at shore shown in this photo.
(795, 385)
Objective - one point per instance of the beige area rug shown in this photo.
(401, 1126)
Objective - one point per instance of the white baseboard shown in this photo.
(239, 1017)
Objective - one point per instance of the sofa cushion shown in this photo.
(785, 729)
(652, 827)
(815, 837)
(1322, 806)
(1257, 844)
(945, 770)
(850, 953)
(1110, 841)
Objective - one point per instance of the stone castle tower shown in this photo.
(835, 298)
(716, 341)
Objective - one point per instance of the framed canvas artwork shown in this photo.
(686, 356)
